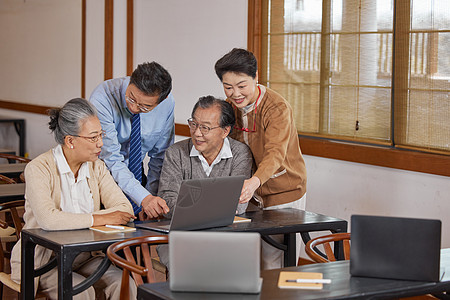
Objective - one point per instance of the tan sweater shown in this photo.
(275, 148)
(43, 198)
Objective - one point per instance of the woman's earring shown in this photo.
(71, 146)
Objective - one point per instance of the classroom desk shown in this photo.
(288, 222)
(343, 286)
(12, 170)
(66, 246)
(11, 192)
(19, 126)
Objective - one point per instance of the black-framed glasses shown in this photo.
(93, 139)
(141, 107)
(203, 128)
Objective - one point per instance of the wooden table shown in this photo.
(11, 192)
(12, 170)
(343, 286)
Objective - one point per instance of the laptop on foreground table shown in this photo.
(202, 203)
(395, 248)
(218, 262)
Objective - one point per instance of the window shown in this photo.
(351, 73)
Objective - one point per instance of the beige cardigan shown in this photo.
(43, 198)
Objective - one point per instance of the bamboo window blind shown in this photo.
(375, 71)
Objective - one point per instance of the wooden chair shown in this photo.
(11, 157)
(133, 264)
(20, 159)
(6, 179)
(9, 237)
(312, 252)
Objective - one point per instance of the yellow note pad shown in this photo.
(105, 229)
(241, 219)
(284, 276)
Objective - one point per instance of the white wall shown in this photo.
(187, 37)
(40, 52)
(340, 189)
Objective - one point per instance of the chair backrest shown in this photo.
(130, 262)
(10, 157)
(326, 241)
(6, 179)
(12, 207)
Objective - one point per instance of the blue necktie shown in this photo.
(134, 161)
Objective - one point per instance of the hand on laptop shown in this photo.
(154, 206)
(249, 188)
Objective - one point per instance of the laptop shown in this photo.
(202, 203)
(395, 248)
(217, 262)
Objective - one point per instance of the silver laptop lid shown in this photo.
(202, 203)
(396, 248)
(225, 262)
(206, 203)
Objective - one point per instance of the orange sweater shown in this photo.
(275, 147)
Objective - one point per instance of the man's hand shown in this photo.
(154, 206)
(249, 188)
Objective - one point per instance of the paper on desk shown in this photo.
(284, 276)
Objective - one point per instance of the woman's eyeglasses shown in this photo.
(141, 107)
(93, 139)
(203, 128)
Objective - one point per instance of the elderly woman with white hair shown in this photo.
(65, 188)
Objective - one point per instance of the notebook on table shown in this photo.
(218, 262)
(202, 203)
(395, 248)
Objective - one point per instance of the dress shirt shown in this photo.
(157, 134)
(225, 152)
(76, 196)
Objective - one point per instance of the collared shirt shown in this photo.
(157, 134)
(249, 108)
(224, 153)
(76, 196)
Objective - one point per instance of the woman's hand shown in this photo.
(114, 218)
(249, 188)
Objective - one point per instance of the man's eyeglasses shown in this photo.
(203, 128)
(141, 107)
(93, 139)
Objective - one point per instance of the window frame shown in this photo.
(384, 156)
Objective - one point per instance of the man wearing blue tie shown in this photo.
(137, 115)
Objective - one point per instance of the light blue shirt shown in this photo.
(157, 134)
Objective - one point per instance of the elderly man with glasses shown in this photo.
(208, 153)
(137, 115)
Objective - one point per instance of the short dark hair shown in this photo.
(237, 61)
(152, 79)
(227, 117)
(68, 119)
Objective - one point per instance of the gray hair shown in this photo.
(227, 117)
(68, 119)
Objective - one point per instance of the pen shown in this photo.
(309, 280)
(115, 227)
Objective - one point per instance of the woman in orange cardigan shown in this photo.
(265, 122)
